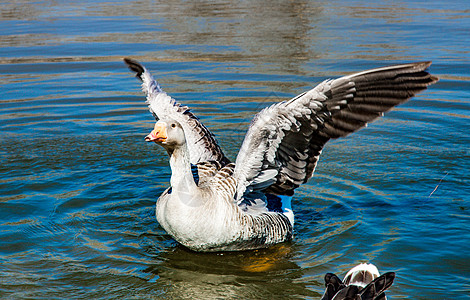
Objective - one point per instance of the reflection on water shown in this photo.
(78, 184)
(230, 275)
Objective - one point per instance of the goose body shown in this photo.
(199, 210)
(215, 205)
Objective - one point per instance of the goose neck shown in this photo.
(181, 175)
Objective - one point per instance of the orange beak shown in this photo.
(158, 134)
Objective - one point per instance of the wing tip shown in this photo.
(134, 66)
(423, 66)
(433, 79)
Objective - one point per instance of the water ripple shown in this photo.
(79, 184)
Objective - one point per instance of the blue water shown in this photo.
(78, 184)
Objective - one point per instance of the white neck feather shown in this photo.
(182, 180)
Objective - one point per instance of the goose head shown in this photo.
(167, 133)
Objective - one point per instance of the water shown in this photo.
(78, 184)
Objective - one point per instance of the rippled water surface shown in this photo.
(78, 184)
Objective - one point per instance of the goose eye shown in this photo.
(173, 125)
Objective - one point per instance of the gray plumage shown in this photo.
(244, 205)
(287, 138)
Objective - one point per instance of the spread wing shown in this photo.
(201, 142)
(284, 141)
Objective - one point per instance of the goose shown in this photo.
(361, 282)
(213, 204)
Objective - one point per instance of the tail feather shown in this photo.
(375, 289)
(363, 282)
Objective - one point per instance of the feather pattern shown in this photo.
(203, 145)
(287, 138)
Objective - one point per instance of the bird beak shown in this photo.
(158, 134)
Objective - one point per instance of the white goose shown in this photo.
(215, 205)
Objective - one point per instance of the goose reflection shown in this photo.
(262, 274)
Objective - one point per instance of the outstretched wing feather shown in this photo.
(287, 138)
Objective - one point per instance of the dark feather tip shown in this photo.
(134, 66)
